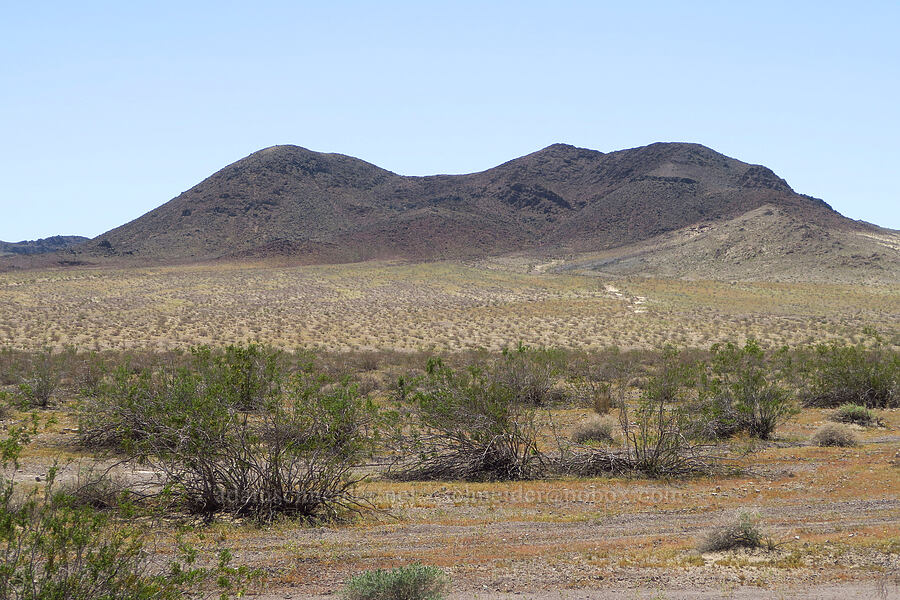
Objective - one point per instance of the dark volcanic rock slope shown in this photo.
(289, 201)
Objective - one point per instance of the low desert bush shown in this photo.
(835, 435)
(655, 433)
(599, 430)
(743, 533)
(856, 414)
(412, 582)
(464, 425)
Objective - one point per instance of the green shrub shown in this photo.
(412, 582)
(737, 394)
(464, 425)
(245, 377)
(743, 533)
(530, 374)
(835, 435)
(854, 413)
(43, 380)
(836, 375)
(654, 434)
(294, 454)
(596, 430)
(54, 547)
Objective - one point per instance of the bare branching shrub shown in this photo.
(465, 425)
(655, 433)
(56, 546)
(833, 434)
(97, 489)
(743, 533)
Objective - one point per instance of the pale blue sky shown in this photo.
(110, 109)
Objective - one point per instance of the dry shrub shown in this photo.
(833, 434)
(599, 429)
(743, 533)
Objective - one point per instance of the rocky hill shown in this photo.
(296, 205)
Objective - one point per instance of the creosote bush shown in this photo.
(530, 374)
(833, 434)
(411, 582)
(235, 434)
(55, 547)
(856, 414)
(737, 394)
(866, 376)
(464, 425)
(655, 433)
(43, 380)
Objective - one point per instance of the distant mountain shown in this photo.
(300, 206)
(41, 246)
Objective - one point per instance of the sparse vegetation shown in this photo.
(134, 377)
(411, 582)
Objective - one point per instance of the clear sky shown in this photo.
(110, 109)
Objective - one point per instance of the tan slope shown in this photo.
(767, 243)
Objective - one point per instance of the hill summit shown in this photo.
(633, 211)
(288, 200)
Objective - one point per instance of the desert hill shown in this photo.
(308, 207)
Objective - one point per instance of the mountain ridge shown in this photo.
(294, 204)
